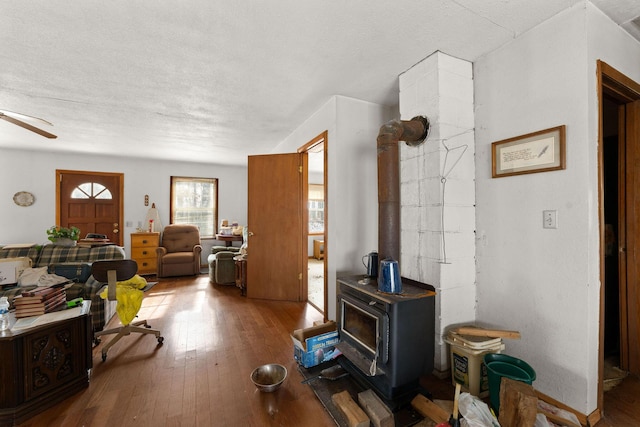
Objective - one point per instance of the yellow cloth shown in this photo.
(129, 296)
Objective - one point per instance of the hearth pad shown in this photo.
(404, 415)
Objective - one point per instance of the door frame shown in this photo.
(625, 91)
(324, 139)
(118, 176)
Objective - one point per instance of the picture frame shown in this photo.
(540, 151)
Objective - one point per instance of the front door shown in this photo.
(277, 218)
(91, 201)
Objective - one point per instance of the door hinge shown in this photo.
(300, 169)
(299, 276)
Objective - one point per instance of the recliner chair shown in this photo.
(179, 252)
(222, 267)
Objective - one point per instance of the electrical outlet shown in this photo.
(549, 219)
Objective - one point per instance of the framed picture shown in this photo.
(540, 151)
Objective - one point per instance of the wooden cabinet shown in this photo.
(43, 365)
(143, 251)
(318, 249)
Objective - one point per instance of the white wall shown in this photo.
(36, 171)
(545, 282)
(352, 214)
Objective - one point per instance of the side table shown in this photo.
(228, 239)
(241, 273)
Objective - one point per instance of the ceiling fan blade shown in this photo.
(21, 116)
(27, 126)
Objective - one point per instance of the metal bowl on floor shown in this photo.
(268, 378)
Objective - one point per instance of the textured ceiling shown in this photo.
(213, 81)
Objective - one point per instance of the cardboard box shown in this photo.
(312, 346)
(12, 268)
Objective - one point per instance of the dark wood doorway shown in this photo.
(91, 201)
(277, 221)
(619, 170)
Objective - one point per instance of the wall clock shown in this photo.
(23, 198)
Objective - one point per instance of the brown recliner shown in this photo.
(179, 252)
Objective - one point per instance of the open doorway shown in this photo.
(620, 230)
(316, 238)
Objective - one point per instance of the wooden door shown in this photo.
(277, 223)
(91, 201)
(630, 289)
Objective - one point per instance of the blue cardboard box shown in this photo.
(313, 350)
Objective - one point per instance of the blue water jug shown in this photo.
(389, 277)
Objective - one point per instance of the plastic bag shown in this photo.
(129, 296)
(476, 413)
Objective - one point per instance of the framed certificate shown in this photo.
(540, 151)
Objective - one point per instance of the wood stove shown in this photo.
(387, 340)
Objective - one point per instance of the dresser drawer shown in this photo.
(150, 240)
(139, 253)
(147, 265)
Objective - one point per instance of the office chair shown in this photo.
(111, 272)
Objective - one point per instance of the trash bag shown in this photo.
(129, 298)
(476, 413)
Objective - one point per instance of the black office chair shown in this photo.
(111, 272)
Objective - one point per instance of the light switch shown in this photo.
(549, 219)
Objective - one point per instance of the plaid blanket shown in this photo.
(41, 256)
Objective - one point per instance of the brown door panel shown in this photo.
(275, 221)
(98, 209)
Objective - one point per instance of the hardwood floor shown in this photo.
(214, 338)
(622, 404)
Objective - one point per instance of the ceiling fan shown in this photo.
(12, 117)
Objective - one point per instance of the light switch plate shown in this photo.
(550, 219)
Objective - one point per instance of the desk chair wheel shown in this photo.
(96, 342)
(160, 340)
(104, 357)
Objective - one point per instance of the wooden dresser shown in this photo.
(143, 251)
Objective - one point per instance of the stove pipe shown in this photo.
(414, 132)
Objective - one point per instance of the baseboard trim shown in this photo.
(581, 417)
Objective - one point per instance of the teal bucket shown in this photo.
(502, 365)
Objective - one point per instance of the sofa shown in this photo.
(69, 258)
(222, 267)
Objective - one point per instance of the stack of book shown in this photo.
(40, 301)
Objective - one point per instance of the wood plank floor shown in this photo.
(214, 338)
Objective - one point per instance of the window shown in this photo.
(89, 190)
(195, 201)
(316, 209)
